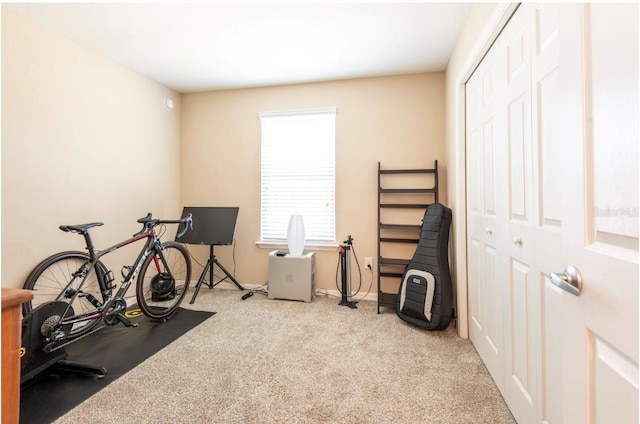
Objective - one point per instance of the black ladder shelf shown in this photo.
(401, 206)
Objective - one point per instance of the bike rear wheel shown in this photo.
(58, 278)
(163, 280)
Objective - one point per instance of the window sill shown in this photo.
(310, 246)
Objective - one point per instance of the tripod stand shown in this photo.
(209, 267)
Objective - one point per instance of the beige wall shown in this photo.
(83, 140)
(82, 137)
(480, 27)
(397, 120)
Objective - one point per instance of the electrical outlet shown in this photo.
(368, 262)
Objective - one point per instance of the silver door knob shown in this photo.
(489, 231)
(570, 280)
(517, 241)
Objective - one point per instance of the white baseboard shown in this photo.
(360, 296)
(319, 292)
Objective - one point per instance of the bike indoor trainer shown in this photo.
(39, 355)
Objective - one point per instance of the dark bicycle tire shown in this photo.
(160, 292)
(49, 278)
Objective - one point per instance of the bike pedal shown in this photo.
(126, 321)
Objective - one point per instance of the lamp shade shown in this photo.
(295, 235)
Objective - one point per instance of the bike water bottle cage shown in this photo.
(126, 270)
(80, 229)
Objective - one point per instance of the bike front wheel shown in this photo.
(163, 280)
(59, 278)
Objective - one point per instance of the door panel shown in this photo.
(548, 145)
(474, 176)
(485, 286)
(477, 304)
(518, 124)
(548, 164)
(493, 321)
(610, 368)
(522, 320)
(600, 329)
(551, 360)
(614, 83)
(488, 182)
(520, 371)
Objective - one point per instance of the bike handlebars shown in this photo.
(149, 222)
(188, 225)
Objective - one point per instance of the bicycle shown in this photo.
(76, 287)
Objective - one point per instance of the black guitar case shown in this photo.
(425, 297)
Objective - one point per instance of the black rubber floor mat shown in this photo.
(117, 348)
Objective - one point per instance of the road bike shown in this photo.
(74, 290)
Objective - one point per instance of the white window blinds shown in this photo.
(298, 173)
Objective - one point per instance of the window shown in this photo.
(298, 174)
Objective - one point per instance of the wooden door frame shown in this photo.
(494, 26)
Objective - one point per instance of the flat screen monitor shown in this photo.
(211, 225)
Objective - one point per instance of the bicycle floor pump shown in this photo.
(345, 262)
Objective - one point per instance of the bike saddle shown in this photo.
(82, 228)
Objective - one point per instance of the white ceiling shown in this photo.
(211, 46)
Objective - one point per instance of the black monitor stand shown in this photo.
(209, 267)
(213, 226)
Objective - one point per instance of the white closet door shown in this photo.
(599, 108)
(522, 316)
(563, 190)
(549, 221)
(486, 288)
(506, 281)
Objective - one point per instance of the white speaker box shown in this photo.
(292, 277)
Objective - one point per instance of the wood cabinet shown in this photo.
(12, 299)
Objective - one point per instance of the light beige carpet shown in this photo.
(275, 361)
